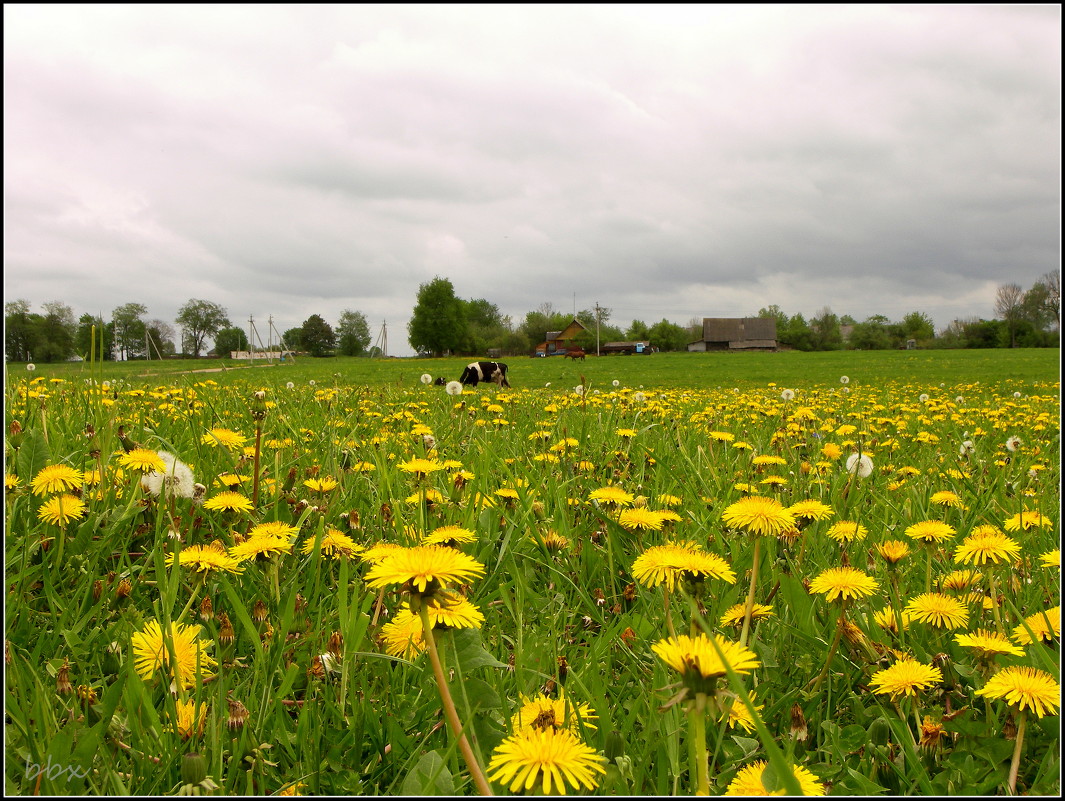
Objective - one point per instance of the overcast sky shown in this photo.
(662, 161)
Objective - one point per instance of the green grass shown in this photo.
(574, 617)
(795, 369)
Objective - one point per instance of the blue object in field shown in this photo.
(639, 347)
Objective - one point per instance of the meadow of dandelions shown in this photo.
(331, 589)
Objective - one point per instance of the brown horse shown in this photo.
(574, 354)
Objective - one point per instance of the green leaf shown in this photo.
(470, 653)
(857, 784)
(33, 455)
(429, 777)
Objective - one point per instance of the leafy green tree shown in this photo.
(826, 330)
(485, 326)
(773, 311)
(638, 330)
(796, 334)
(917, 326)
(200, 319)
(871, 334)
(353, 333)
(230, 339)
(128, 329)
(667, 336)
(84, 340)
(293, 339)
(317, 337)
(438, 322)
(18, 331)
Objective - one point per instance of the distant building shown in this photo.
(557, 342)
(737, 333)
(636, 346)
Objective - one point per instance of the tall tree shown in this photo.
(18, 331)
(826, 330)
(1008, 307)
(160, 336)
(230, 339)
(353, 333)
(637, 331)
(317, 336)
(55, 330)
(129, 329)
(1051, 283)
(871, 334)
(438, 322)
(200, 319)
(89, 343)
(667, 336)
(918, 326)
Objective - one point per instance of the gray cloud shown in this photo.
(663, 161)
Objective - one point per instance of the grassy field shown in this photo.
(723, 573)
(665, 370)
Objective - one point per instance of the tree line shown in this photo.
(55, 335)
(442, 323)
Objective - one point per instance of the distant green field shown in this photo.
(661, 370)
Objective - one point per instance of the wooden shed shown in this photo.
(737, 333)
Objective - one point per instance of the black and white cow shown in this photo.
(484, 371)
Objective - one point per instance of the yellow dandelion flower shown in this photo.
(947, 498)
(449, 535)
(190, 720)
(905, 677)
(53, 478)
(887, 619)
(611, 496)
(228, 502)
(959, 580)
(893, 551)
(224, 438)
(262, 547)
(758, 515)
(274, 528)
(61, 509)
(846, 531)
(737, 713)
(939, 610)
(1026, 520)
(930, 531)
(325, 484)
(151, 653)
(143, 460)
(542, 712)
(424, 568)
(749, 781)
(547, 759)
(988, 644)
(640, 519)
(206, 559)
(1045, 625)
(734, 615)
(1025, 688)
(987, 544)
(673, 561)
(420, 467)
(844, 583)
(335, 543)
(697, 658)
(1052, 558)
(809, 510)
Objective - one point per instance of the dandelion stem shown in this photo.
(255, 476)
(1016, 763)
(994, 602)
(750, 593)
(700, 764)
(448, 703)
(835, 645)
(669, 616)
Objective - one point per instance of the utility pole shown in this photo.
(597, 328)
